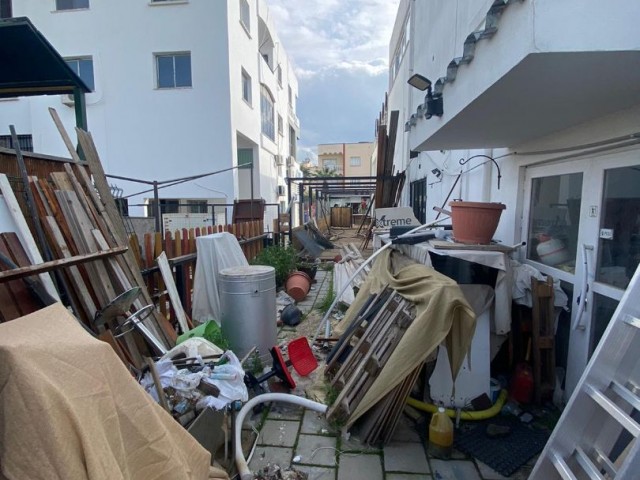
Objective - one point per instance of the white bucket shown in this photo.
(552, 252)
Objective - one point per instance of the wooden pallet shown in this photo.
(369, 355)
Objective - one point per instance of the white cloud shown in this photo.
(324, 36)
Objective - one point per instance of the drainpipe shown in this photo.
(344, 160)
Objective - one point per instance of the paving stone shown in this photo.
(281, 433)
(360, 467)
(317, 450)
(315, 423)
(317, 473)
(285, 411)
(354, 444)
(405, 431)
(405, 457)
(488, 473)
(454, 470)
(263, 456)
(407, 476)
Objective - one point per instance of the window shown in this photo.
(25, 142)
(71, 4)
(83, 67)
(279, 73)
(197, 206)
(290, 96)
(266, 109)
(355, 161)
(292, 142)
(280, 126)
(245, 157)
(174, 70)
(418, 199)
(5, 8)
(246, 87)
(245, 15)
(330, 164)
(169, 206)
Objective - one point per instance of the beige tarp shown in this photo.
(70, 410)
(442, 314)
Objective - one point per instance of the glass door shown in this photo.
(582, 226)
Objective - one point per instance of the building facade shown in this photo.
(346, 159)
(537, 106)
(181, 88)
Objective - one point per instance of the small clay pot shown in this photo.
(298, 285)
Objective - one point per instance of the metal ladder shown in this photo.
(597, 434)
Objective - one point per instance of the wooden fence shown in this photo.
(180, 248)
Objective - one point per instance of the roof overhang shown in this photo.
(542, 93)
(29, 65)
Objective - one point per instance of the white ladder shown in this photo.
(597, 434)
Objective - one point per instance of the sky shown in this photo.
(340, 51)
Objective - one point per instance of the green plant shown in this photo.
(283, 259)
(324, 305)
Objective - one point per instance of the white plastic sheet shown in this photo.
(215, 253)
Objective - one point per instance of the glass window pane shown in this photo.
(603, 308)
(71, 4)
(183, 70)
(86, 72)
(554, 220)
(619, 243)
(165, 71)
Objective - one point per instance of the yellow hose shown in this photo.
(464, 415)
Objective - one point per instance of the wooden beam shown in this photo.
(56, 264)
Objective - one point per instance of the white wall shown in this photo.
(160, 134)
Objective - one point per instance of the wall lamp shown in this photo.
(420, 82)
(434, 105)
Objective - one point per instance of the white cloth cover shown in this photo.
(215, 253)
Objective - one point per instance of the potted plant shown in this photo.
(283, 259)
(308, 265)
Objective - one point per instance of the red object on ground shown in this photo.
(301, 356)
(522, 384)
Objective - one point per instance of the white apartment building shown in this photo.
(550, 91)
(180, 88)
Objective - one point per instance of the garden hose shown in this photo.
(464, 415)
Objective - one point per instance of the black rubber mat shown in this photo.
(504, 454)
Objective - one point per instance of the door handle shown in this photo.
(578, 324)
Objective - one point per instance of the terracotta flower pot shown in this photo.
(475, 222)
(298, 285)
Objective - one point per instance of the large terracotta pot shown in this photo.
(475, 222)
(298, 285)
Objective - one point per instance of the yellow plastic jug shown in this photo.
(440, 435)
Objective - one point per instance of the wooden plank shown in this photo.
(26, 239)
(50, 195)
(65, 136)
(27, 271)
(80, 227)
(111, 212)
(82, 288)
(21, 295)
(174, 297)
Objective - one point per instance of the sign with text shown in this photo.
(395, 217)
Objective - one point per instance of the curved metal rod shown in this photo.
(464, 162)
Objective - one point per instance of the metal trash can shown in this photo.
(248, 308)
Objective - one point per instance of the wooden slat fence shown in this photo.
(180, 248)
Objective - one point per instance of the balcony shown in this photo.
(533, 71)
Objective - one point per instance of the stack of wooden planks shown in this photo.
(90, 256)
(351, 260)
(360, 355)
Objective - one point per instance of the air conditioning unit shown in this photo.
(68, 100)
(281, 191)
(279, 160)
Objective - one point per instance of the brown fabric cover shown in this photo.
(442, 314)
(71, 410)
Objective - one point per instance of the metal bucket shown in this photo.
(248, 308)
